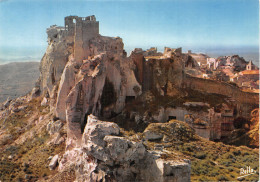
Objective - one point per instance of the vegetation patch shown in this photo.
(27, 161)
(210, 161)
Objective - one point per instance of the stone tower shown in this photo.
(249, 66)
(81, 29)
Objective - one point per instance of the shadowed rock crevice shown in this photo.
(108, 98)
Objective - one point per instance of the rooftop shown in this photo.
(250, 72)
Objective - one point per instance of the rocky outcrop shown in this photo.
(174, 131)
(103, 156)
(99, 86)
(55, 58)
(163, 74)
(221, 88)
(85, 73)
(54, 127)
(54, 162)
(235, 61)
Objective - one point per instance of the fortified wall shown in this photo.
(248, 101)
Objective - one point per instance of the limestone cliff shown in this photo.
(84, 73)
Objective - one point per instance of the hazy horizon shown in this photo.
(215, 27)
(29, 54)
(194, 23)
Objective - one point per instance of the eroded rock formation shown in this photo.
(105, 156)
(87, 78)
(84, 73)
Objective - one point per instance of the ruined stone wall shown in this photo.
(210, 86)
(108, 45)
(138, 60)
(202, 58)
(83, 29)
(88, 22)
(163, 74)
(202, 131)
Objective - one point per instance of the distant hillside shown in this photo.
(17, 79)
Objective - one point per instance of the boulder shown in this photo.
(54, 126)
(93, 137)
(35, 92)
(44, 102)
(152, 135)
(121, 150)
(54, 162)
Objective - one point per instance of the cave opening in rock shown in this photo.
(171, 117)
(129, 99)
(108, 97)
(84, 122)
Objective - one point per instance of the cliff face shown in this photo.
(245, 101)
(54, 60)
(99, 86)
(84, 73)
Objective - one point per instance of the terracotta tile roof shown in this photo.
(250, 72)
(228, 72)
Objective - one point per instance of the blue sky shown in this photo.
(195, 24)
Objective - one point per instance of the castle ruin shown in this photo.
(86, 73)
(78, 31)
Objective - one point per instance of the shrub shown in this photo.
(214, 173)
(222, 178)
(200, 155)
(204, 179)
(230, 169)
(237, 152)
